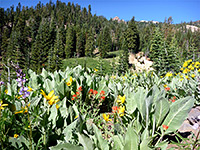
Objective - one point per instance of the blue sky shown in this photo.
(157, 10)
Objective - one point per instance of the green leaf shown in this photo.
(178, 113)
(118, 142)
(44, 73)
(53, 115)
(131, 104)
(131, 139)
(86, 142)
(102, 144)
(161, 110)
(66, 146)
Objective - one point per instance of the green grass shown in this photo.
(93, 62)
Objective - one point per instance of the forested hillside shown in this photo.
(42, 36)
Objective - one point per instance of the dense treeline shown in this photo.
(42, 36)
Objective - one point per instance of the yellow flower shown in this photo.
(181, 69)
(190, 60)
(196, 66)
(69, 83)
(169, 74)
(2, 105)
(185, 64)
(185, 70)
(197, 63)
(165, 85)
(106, 117)
(23, 110)
(181, 79)
(187, 77)
(57, 106)
(161, 76)
(190, 66)
(76, 117)
(29, 89)
(121, 99)
(193, 75)
(16, 135)
(95, 70)
(51, 98)
(6, 91)
(121, 111)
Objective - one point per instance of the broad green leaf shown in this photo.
(48, 85)
(44, 73)
(131, 139)
(102, 144)
(131, 104)
(86, 142)
(161, 110)
(118, 142)
(178, 113)
(140, 97)
(53, 115)
(66, 146)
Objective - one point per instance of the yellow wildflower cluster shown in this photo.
(169, 74)
(51, 98)
(188, 67)
(121, 101)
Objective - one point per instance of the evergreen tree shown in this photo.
(157, 51)
(80, 42)
(58, 50)
(70, 45)
(89, 46)
(42, 45)
(105, 43)
(132, 36)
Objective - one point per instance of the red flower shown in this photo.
(91, 91)
(74, 95)
(95, 92)
(165, 127)
(103, 97)
(102, 93)
(72, 98)
(80, 88)
(174, 97)
(173, 100)
(77, 93)
(167, 88)
(114, 109)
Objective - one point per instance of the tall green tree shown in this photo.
(42, 45)
(105, 44)
(70, 45)
(157, 51)
(132, 36)
(89, 46)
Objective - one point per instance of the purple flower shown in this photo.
(23, 91)
(1, 82)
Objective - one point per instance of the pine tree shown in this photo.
(80, 42)
(58, 49)
(132, 36)
(42, 45)
(70, 45)
(89, 46)
(157, 51)
(105, 43)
